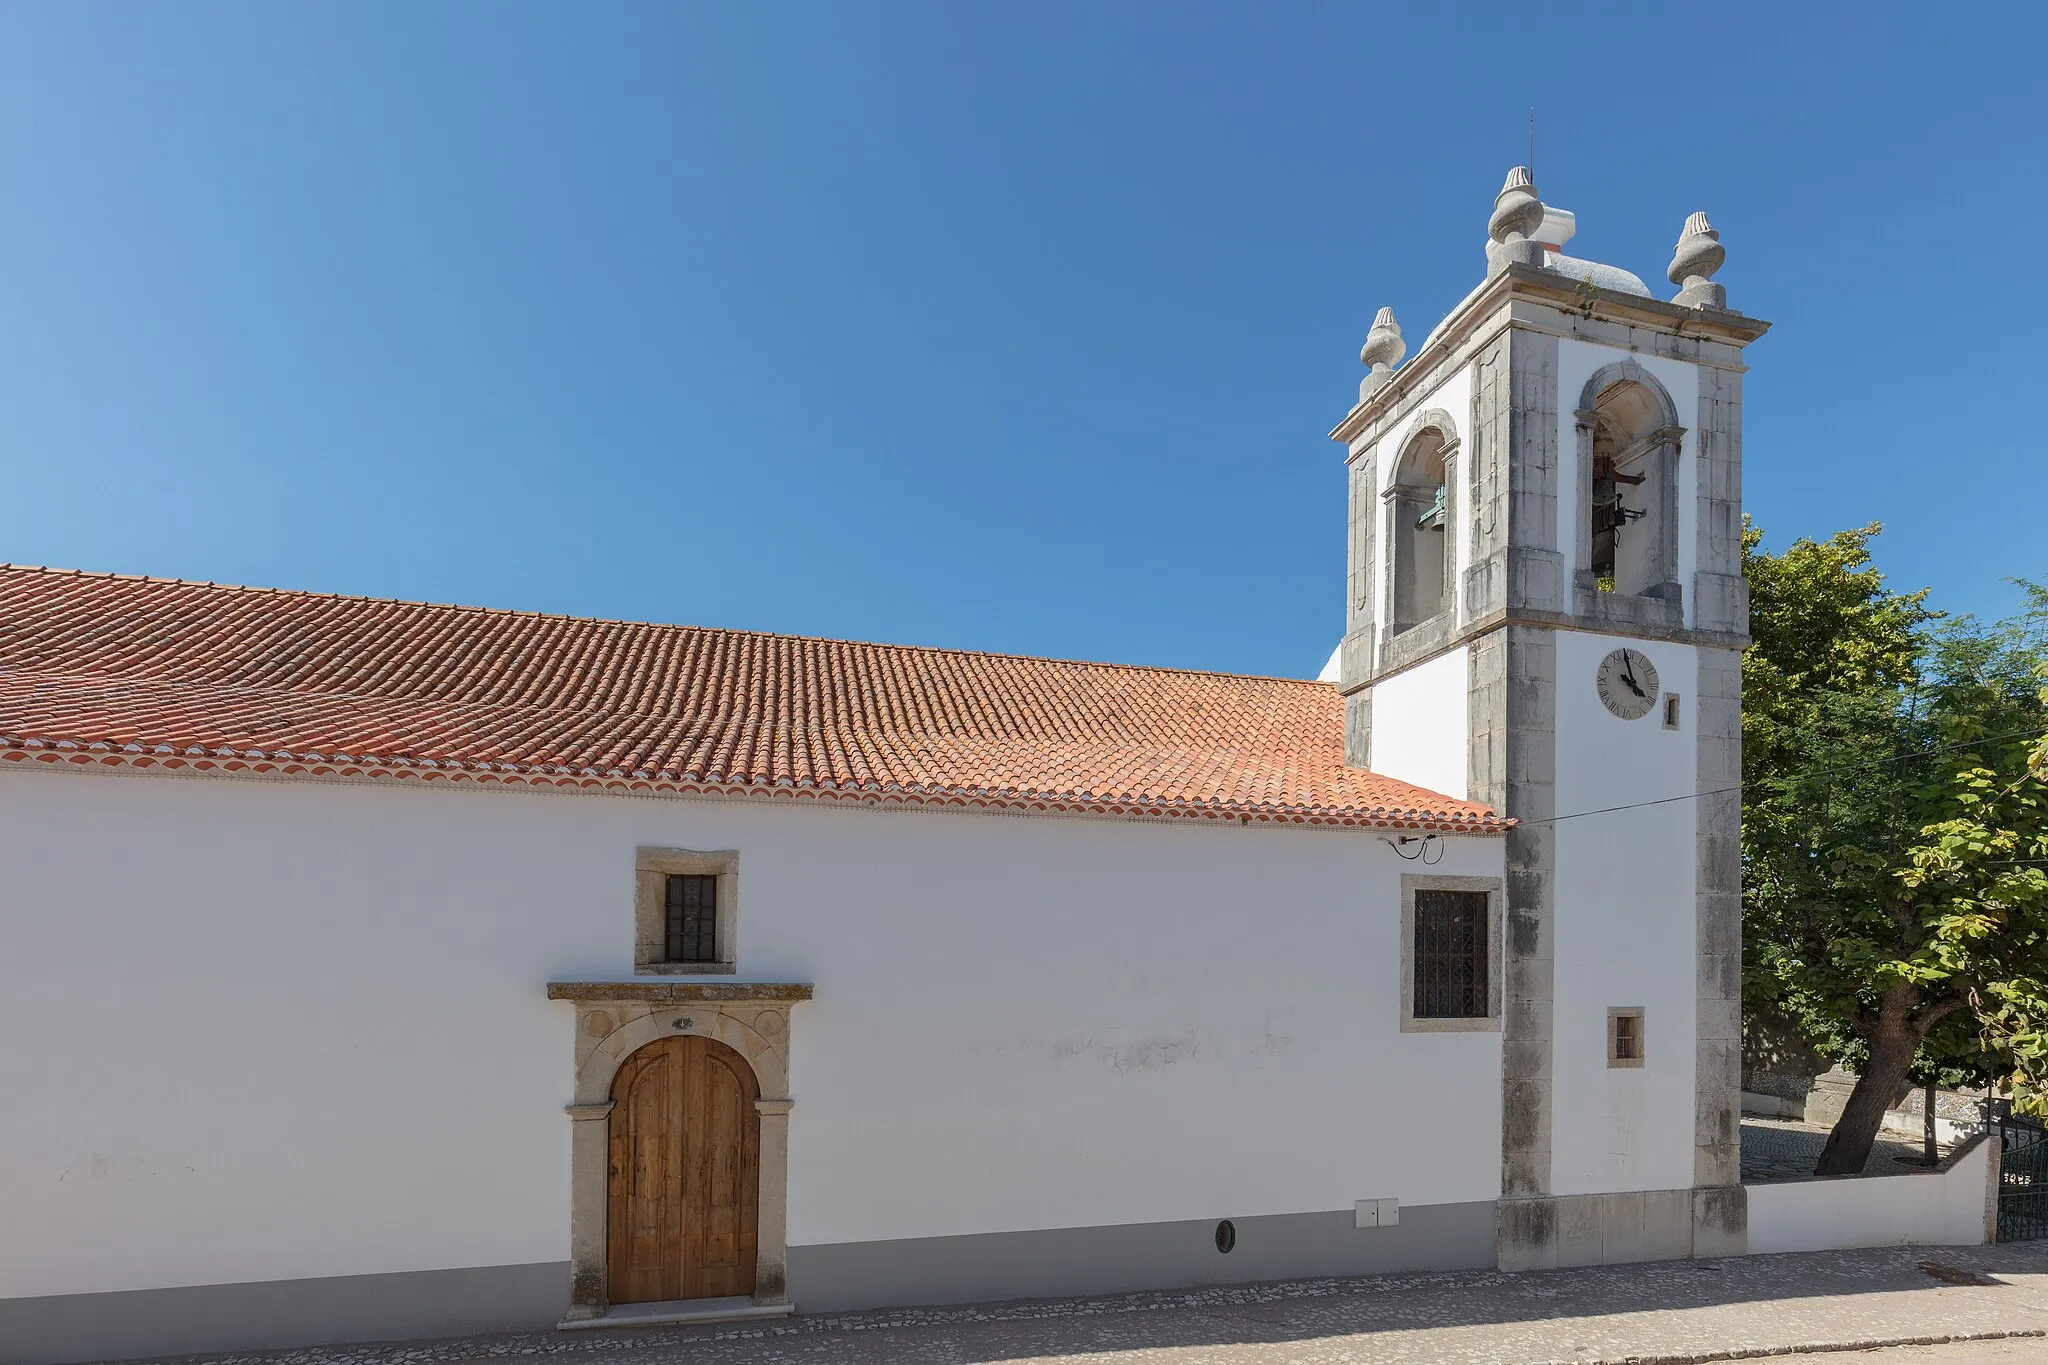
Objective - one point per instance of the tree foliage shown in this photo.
(1895, 829)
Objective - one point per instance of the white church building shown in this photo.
(376, 969)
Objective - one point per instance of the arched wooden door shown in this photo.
(685, 1162)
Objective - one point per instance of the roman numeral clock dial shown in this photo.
(1628, 683)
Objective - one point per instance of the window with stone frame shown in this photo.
(685, 919)
(1625, 1036)
(1450, 954)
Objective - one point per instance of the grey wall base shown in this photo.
(1014, 1265)
(1110, 1260)
(1516, 1234)
(282, 1313)
(1546, 1232)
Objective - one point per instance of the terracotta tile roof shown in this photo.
(147, 672)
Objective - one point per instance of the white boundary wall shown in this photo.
(1951, 1208)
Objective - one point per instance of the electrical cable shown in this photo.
(1790, 778)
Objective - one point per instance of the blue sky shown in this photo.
(1008, 327)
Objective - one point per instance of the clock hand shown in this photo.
(1628, 674)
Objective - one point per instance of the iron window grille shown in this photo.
(1627, 1047)
(1450, 954)
(692, 905)
(1625, 1036)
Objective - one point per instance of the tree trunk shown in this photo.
(1930, 1147)
(1892, 1045)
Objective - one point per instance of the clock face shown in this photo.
(1628, 683)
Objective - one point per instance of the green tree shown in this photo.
(1895, 829)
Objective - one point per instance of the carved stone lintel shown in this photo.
(589, 1113)
(769, 1105)
(660, 991)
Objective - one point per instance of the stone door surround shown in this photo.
(614, 1019)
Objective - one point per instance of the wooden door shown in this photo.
(685, 1162)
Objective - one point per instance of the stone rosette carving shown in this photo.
(1698, 255)
(1517, 213)
(1382, 351)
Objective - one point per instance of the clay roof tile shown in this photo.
(143, 666)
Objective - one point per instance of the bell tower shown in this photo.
(1545, 611)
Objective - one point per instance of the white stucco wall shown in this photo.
(1577, 362)
(1625, 919)
(1419, 726)
(1948, 1208)
(258, 1030)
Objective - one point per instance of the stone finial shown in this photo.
(1384, 346)
(1382, 351)
(1517, 213)
(1693, 264)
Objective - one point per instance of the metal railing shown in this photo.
(2022, 1172)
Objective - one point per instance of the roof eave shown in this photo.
(455, 773)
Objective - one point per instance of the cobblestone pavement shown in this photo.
(1784, 1149)
(1669, 1312)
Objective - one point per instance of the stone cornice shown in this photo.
(667, 991)
(1566, 295)
(1548, 620)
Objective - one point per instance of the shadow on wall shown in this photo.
(1777, 1061)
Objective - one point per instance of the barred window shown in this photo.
(692, 904)
(1625, 1049)
(1625, 1036)
(1450, 955)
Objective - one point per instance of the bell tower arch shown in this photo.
(1573, 648)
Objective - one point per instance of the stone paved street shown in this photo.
(1675, 1311)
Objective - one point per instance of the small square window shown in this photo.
(1450, 954)
(684, 920)
(1625, 1036)
(1671, 710)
